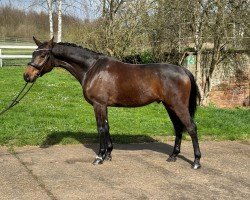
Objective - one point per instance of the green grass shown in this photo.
(55, 112)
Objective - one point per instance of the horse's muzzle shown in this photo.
(28, 78)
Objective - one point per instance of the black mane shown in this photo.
(80, 47)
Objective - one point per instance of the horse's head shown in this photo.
(41, 62)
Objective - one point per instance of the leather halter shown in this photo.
(40, 66)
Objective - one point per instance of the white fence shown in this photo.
(14, 56)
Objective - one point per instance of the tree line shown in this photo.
(154, 30)
(15, 23)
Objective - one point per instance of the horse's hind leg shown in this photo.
(178, 127)
(183, 113)
(192, 130)
(103, 131)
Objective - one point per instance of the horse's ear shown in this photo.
(38, 43)
(50, 43)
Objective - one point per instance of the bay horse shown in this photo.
(108, 82)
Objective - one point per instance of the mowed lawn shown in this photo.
(55, 112)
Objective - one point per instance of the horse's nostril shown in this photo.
(26, 77)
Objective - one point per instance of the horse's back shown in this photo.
(120, 84)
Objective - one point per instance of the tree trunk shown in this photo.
(50, 12)
(198, 18)
(103, 8)
(198, 76)
(216, 52)
(59, 33)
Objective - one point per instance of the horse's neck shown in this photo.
(75, 69)
(76, 63)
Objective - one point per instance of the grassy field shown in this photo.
(55, 112)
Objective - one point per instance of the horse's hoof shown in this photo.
(98, 161)
(171, 159)
(196, 166)
(108, 157)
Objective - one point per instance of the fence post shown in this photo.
(1, 61)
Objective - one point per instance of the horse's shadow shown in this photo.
(140, 142)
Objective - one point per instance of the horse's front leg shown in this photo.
(103, 131)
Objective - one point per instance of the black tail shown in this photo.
(194, 94)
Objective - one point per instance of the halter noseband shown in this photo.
(41, 66)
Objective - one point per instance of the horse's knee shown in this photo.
(103, 130)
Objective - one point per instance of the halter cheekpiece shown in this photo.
(41, 66)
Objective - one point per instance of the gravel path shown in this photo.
(137, 171)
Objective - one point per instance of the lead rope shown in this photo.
(18, 98)
(22, 93)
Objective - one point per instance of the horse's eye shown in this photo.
(42, 56)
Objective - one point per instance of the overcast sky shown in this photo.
(89, 9)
